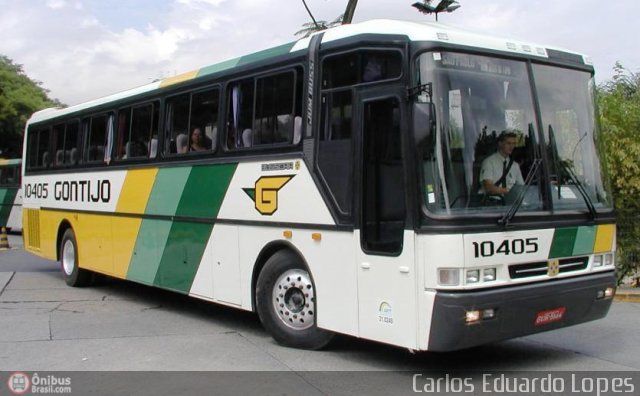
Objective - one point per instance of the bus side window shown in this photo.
(97, 138)
(176, 124)
(240, 117)
(38, 148)
(204, 116)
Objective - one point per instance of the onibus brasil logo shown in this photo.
(265, 193)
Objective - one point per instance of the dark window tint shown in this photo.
(137, 131)
(10, 176)
(240, 120)
(335, 155)
(265, 110)
(96, 139)
(203, 122)
(191, 122)
(360, 67)
(38, 154)
(66, 142)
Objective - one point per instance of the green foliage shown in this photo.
(619, 105)
(19, 98)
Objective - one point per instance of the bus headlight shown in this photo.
(448, 276)
(597, 260)
(478, 275)
(488, 274)
(473, 276)
(608, 259)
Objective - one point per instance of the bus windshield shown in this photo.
(485, 151)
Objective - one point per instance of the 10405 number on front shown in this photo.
(506, 247)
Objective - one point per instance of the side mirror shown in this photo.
(424, 124)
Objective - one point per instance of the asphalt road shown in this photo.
(122, 327)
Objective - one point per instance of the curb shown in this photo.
(626, 294)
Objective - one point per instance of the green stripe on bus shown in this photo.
(167, 191)
(563, 241)
(265, 54)
(585, 238)
(244, 60)
(202, 197)
(182, 255)
(204, 191)
(229, 64)
(153, 234)
(147, 253)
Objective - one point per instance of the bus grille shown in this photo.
(33, 230)
(519, 271)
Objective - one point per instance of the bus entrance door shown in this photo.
(386, 269)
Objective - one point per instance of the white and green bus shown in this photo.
(332, 185)
(10, 194)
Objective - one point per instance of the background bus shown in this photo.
(10, 194)
(332, 185)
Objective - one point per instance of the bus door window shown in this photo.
(335, 152)
(383, 190)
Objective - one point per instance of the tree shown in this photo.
(619, 106)
(19, 98)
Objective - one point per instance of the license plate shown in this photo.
(550, 316)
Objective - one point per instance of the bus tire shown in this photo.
(73, 275)
(285, 301)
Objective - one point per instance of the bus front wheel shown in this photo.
(286, 303)
(72, 273)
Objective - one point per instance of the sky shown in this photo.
(84, 49)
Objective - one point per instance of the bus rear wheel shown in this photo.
(73, 275)
(286, 303)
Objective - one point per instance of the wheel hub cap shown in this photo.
(294, 299)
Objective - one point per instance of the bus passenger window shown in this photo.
(38, 148)
(240, 115)
(97, 138)
(203, 120)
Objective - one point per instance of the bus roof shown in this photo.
(428, 31)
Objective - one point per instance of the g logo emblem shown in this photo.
(265, 193)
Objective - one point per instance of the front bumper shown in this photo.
(516, 310)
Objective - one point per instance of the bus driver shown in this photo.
(499, 172)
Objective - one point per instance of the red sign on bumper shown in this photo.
(550, 316)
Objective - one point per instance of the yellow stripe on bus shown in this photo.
(179, 78)
(133, 200)
(135, 191)
(604, 238)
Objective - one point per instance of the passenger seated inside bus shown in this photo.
(199, 141)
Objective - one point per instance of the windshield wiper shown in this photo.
(580, 187)
(563, 166)
(508, 216)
